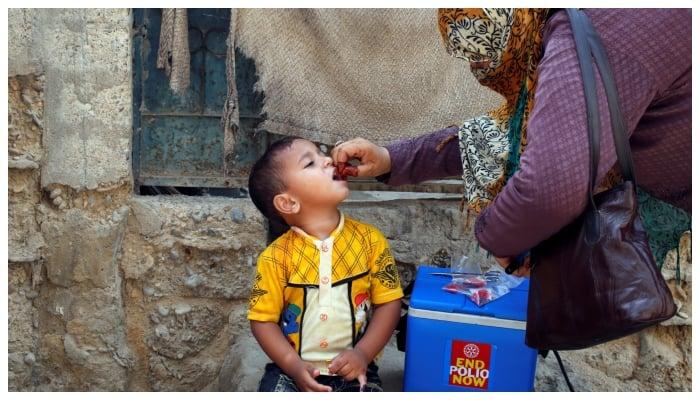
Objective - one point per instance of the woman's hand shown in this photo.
(374, 160)
(523, 271)
(351, 364)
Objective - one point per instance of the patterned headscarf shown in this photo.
(503, 47)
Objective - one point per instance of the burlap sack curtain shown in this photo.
(229, 120)
(333, 74)
(174, 50)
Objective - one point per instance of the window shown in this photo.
(178, 140)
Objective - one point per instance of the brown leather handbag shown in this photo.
(596, 279)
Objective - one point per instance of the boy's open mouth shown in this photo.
(343, 170)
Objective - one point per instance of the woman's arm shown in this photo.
(433, 155)
(430, 156)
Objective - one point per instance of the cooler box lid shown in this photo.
(428, 295)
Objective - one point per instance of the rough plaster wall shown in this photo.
(111, 291)
(22, 321)
(69, 140)
(187, 264)
(25, 113)
(25, 123)
(24, 56)
(85, 56)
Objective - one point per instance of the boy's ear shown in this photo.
(286, 204)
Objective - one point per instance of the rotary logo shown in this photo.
(471, 350)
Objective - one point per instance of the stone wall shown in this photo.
(187, 264)
(110, 291)
(70, 178)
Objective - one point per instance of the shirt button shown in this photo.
(324, 247)
(324, 280)
(323, 344)
(324, 317)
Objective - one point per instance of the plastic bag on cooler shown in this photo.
(482, 288)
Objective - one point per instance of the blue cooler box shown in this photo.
(454, 345)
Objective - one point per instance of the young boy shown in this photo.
(319, 283)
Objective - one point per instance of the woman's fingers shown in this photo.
(524, 270)
(352, 149)
(374, 160)
(503, 261)
(340, 153)
(366, 170)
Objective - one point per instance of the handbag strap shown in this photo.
(618, 124)
(589, 44)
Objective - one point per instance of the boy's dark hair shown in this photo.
(265, 179)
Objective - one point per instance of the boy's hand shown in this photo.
(351, 364)
(276, 346)
(304, 375)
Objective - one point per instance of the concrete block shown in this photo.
(85, 56)
(193, 246)
(80, 249)
(22, 55)
(186, 331)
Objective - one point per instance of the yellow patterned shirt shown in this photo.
(321, 292)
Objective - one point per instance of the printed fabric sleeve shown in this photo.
(385, 285)
(418, 159)
(266, 296)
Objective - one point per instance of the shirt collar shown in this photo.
(333, 234)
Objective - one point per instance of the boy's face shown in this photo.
(308, 175)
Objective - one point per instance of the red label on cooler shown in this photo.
(469, 364)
